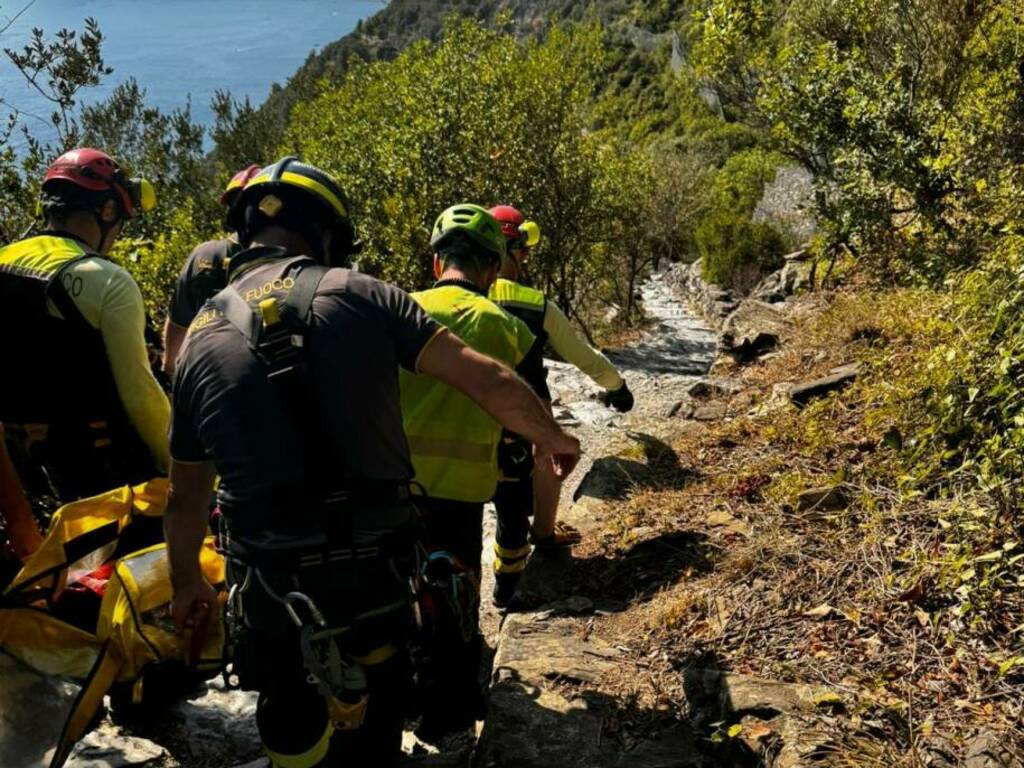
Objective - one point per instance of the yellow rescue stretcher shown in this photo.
(92, 603)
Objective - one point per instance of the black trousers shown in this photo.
(371, 598)
(452, 696)
(513, 505)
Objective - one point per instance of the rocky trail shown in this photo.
(547, 706)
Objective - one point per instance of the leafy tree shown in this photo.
(165, 148)
(242, 134)
(898, 108)
(735, 251)
(476, 116)
(59, 69)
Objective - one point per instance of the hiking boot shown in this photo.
(504, 589)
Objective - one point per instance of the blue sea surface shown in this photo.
(181, 51)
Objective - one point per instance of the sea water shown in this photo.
(180, 51)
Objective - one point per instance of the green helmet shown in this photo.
(473, 221)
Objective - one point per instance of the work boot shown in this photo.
(504, 589)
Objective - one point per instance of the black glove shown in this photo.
(620, 399)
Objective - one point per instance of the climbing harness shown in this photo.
(338, 677)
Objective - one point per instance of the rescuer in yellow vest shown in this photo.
(82, 411)
(454, 443)
(523, 492)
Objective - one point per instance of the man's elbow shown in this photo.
(489, 381)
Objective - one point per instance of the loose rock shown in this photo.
(986, 750)
(711, 387)
(752, 330)
(106, 750)
(713, 412)
(802, 394)
(825, 499)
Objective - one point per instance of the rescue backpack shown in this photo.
(93, 603)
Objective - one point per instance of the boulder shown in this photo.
(678, 747)
(530, 723)
(752, 330)
(840, 378)
(33, 708)
(222, 721)
(536, 647)
(729, 696)
(748, 348)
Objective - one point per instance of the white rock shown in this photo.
(112, 750)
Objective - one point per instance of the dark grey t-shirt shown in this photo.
(201, 276)
(226, 411)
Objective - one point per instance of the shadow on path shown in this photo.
(613, 582)
(662, 352)
(531, 725)
(612, 478)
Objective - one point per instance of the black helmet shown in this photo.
(297, 194)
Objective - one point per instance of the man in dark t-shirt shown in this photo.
(363, 330)
(202, 275)
(288, 389)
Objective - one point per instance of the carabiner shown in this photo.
(293, 597)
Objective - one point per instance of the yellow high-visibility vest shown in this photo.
(528, 304)
(41, 256)
(453, 442)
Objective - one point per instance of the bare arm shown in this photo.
(174, 335)
(185, 523)
(503, 395)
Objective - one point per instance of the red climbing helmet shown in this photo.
(510, 218)
(515, 227)
(96, 171)
(237, 184)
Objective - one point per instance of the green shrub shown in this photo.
(481, 117)
(736, 252)
(155, 263)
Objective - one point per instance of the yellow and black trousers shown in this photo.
(369, 595)
(513, 504)
(451, 688)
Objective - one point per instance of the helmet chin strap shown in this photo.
(104, 227)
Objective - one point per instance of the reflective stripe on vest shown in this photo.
(528, 304)
(453, 442)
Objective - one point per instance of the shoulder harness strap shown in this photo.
(270, 324)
